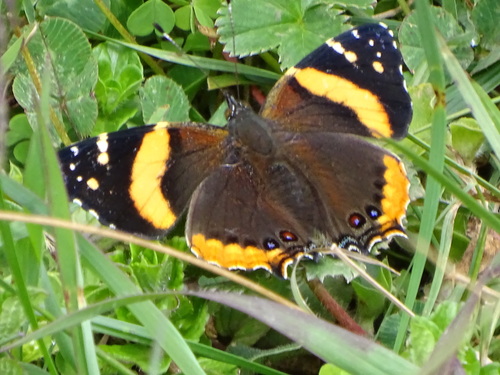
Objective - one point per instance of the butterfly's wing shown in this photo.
(140, 180)
(362, 187)
(243, 217)
(351, 84)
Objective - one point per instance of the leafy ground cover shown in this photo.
(79, 298)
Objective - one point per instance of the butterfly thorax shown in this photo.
(251, 133)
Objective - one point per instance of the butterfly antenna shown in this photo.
(231, 21)
(234, 105)
(169, 39)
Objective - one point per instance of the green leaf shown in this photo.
(9, 57)
(423, 337)
(10, 366)
(196, 42)
(329, 369)
(153, 320)
(120, 76)
(491, 369)
(466, 138)
(191, 316)
(139, 355)
(331, 343)
(486, 16)
(360, 4)
(371, 302)
(249, 332)
(183, 18)
(388, 330)
(481, 105)
(121, 9)
(426, 331)
(12, 317)
(444, 314)
(329, 266)
(201, 12)
(235, 324)
(423, 100)
(206, 11)
(142, 20)
(72, 71)
(19, 135)
(217, 367)
(85, 13)
(411, 44)
(295, 27)
(163, 100)
(490, 59)
(209, 7)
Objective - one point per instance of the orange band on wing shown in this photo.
(234, 256)
(147, 172)
(396, 196)
(364, 103)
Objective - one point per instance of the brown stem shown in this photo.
(343, 318)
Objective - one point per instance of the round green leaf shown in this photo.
(120, 76)
(183, 17)
(72, 70)
(142, 20)
(85, 13)
(163, 100)
(19, 130)
(203, 18)
(466, 138)
(120, 68)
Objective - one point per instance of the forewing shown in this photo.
(140, 180)
(351, 84)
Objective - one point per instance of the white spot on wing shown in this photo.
(74, 150)
(78, 202)
(350, 56)
(379, 54)
(93, 183)
(94, 213)
(79, 178)
(102, 143)
(103, 158)
(406, 88)
(336, 46)
(371, 42)
(72, 167)
(355, 34)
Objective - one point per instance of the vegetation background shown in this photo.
(78, 298)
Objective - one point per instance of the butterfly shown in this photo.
(270, 186)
